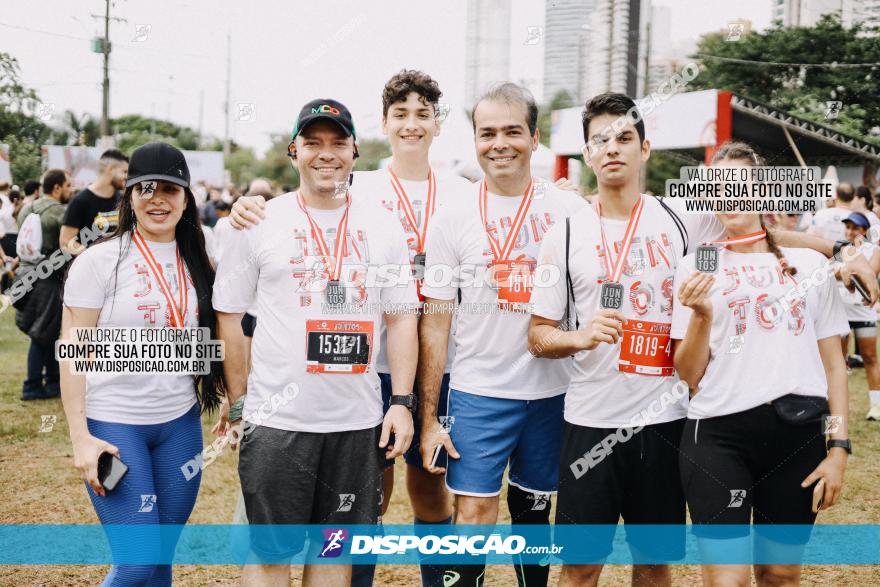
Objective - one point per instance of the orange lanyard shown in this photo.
(178, 311)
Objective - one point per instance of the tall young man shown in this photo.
(312, 450)
(96, 206)
(621, 255)
(504, 406)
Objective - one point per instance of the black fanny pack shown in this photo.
(800, 409)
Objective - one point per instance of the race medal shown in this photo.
(513, 281)
(335, 292)
(418, 262)
(338, 346)
(418, 266)
(611, 295)
(646, 348)
(706, 260)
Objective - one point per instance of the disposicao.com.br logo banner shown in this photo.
(441, 544)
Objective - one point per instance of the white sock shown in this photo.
(874, 396)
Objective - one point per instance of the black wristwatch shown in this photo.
(844, 444)
(409, 401)
(838, 245)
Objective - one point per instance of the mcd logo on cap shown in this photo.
(325, 108)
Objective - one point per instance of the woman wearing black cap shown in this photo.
(153, 272)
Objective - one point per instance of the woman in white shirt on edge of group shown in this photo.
(153, 272)
(748, 352)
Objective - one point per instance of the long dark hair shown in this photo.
(739, 151)
(210, 388)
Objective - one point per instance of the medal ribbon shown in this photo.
(502, 253)
(178, 311)
(408, 209)
(745, 239)
(334, 263)
(634, 217)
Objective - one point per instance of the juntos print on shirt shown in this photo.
(738, 285)
(528, 240)
(649, 251)
(311, 273)
(149, 299)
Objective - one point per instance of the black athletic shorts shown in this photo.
(637, 479)
(308, 478)
(747, 467)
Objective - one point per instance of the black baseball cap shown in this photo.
(158, 161)
(324, 109)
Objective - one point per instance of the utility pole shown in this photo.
(105, 109)
(102, 45)
(226, 103)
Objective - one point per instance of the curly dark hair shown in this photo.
(410, 80)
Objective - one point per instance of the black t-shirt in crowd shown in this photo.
(89, 209)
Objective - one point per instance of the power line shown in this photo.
(782, 64)
(50, 33)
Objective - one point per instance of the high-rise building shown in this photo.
(804, 13)
(487, 52)
(616, 47)
(808, 12)
(866, 12)
(566, 38)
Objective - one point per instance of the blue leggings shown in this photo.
(154, 491)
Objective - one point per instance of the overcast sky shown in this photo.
(283, 53)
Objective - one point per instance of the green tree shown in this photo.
(275, 164)
(781, 66)
(20, 128)
(371, 152)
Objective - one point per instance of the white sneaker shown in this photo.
(874, 413)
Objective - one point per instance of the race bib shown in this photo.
(338, 346)
(513, 280)
(646, 348)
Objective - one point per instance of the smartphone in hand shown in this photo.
(860, 287)
(111, 470)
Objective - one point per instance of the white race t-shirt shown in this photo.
(601, 395)
(375, 186)
(856, 311)
(278, 264)
(492, 357)
(828, 223)
(758, 354)
(134, 300)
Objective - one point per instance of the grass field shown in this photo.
(41, 486)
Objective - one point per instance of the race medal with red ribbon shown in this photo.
(334, 291)
(706, 259)
(338, 346)
(611, 294)
(418, 263)
(511, 277)
(177, 310)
